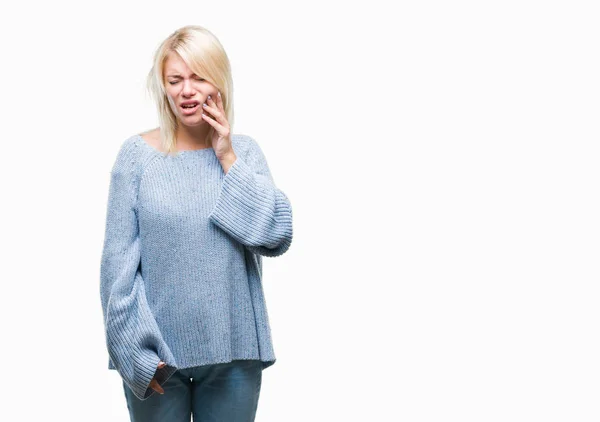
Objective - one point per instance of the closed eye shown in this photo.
(174, 82)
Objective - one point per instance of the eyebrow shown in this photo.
(176, 75)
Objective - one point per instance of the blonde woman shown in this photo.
(192, 209)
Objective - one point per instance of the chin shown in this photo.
(192, 122)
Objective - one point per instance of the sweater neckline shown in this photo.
(182, 152)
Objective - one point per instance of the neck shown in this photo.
(192, 137)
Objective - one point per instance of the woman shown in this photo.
(192, 209)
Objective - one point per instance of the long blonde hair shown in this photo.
(204, 55)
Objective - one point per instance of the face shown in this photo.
(183, 87)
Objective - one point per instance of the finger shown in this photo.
(217, 115)
(161, 364)
(218, 127)
(207, 107)
(156, 386)
(213, 109)
(218, 105)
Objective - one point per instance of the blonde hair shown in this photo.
(204, 55)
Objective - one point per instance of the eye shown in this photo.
(198, 78)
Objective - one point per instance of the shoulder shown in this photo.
(244, 144)
(132, 155)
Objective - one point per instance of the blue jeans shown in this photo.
(224, 392)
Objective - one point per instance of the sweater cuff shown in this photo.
(146, 368)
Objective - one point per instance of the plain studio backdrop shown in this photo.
(442, 163)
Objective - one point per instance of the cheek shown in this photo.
(171, 92)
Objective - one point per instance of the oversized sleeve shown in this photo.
(135, 344)
(251, 208)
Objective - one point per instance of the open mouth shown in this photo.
(190, 108)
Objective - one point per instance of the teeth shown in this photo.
(190, 105)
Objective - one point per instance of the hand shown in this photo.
(154, 384)
(221, 139)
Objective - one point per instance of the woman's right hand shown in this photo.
(154, 384)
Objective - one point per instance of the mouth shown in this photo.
(190, 108)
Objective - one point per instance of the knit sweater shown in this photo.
(181, 270)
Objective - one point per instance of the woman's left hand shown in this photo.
(221, 139)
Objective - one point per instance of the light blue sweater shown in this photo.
(181, 270)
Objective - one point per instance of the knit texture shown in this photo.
(181, 270)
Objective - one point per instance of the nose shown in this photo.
(188, 89)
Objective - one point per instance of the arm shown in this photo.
(134, 342)
(251, 208)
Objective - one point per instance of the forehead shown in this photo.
(174, 65)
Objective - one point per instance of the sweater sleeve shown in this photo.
(251, 208)
(135, 344)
